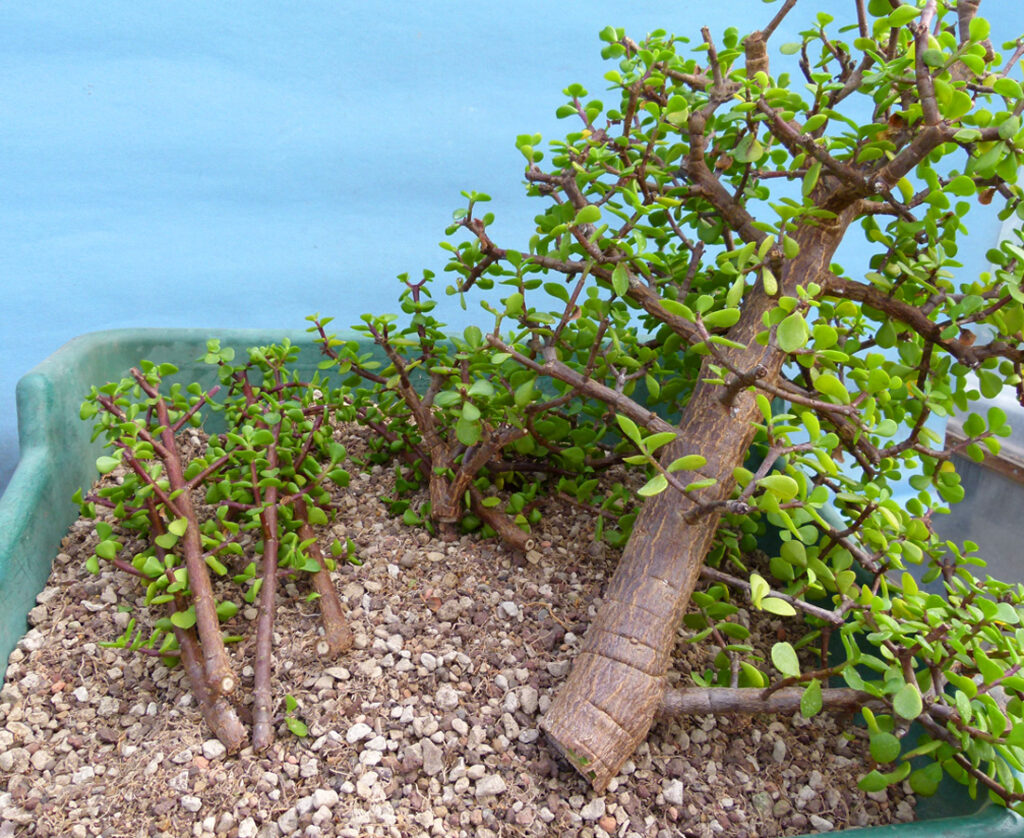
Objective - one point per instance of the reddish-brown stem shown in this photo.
(701, 700)
(500, 522)
(262, 697)
(220, 677)
(337, 632)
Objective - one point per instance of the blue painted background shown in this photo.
(246, 164)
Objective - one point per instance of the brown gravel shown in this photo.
(427, 727)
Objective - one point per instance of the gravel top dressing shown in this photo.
(428, 726)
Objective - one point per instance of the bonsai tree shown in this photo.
(682, 309)
(769, 259)
(263, 486)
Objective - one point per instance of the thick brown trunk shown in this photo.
(607, 705)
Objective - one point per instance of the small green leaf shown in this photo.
(654, 486)
(792, 333)
(178, 526)
(468, 433)
(903, 15)
(316, 516)
(884, 747)
(296, 727)
(620, 279)
(774, 605)
(925, 781)
(628, 427)
(92, 564)
(166, 540)
(827, 384)
(907, 702)
(873, 781)
(226, 610)
(1010, 88)
(811, 701)
(785, 660)
(184, 619)
(782, 486)
(978, 29)
(105, 465)
(107, 549)
(722, 319)
(689, 462)
(759, 589)
(589, 214)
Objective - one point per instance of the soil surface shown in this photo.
(429, 726)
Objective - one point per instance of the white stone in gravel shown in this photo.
(378, 743)
(15, 761)
(779, 751)
(83, 775)
(447, 698)
(593, 810)
(395, 643)
(247, 828)
(309, 767)
(476, 772)
(528, 736)
(366, 784)
(528, 697)
(182, 757)
(358, 732)
(460, 726)
(214, 749)
(288, 823)
(433, 758)
(428, 661)
(511, 703)
(338, 673)
(821, 824)
(225, 822)
(490, 784)
(510, 609)
(32, 682)
(673, 791)
(81, 694)
(324, 797)
(32, 641)
(370, 757)
(190, 803)
(41, 760)
(558, 669)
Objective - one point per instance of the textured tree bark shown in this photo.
(607, 704)
(750, 700)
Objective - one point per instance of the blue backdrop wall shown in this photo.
(246, 164)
